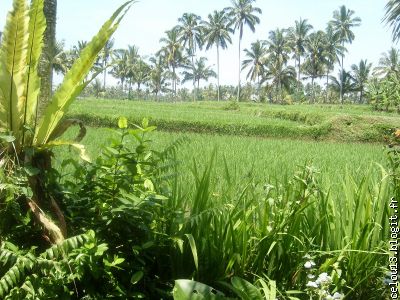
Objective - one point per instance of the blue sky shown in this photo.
(147, 21)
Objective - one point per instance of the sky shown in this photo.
(148, 20)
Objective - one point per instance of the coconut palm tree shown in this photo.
(120, 66)
(344, 83)
(333, 50)
(283, 77)
(391, 17)
(389, 63)
(217, 32)
(190, 35)
(343, 22)
(297, 37)
(159, 75)
(243, 13)
(105, 57)
(172, 53)
(255, 61)
(198, 71)
(361, 74)
(278, 46)
(315, 61)
(141, 73)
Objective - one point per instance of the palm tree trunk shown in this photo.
(218, 89)
(341, 80)
(105, 74)
(45, 66)
(198, 87)
(313, 89)
(238, 90)
(194, 81)
(327, 86)
(298, 75)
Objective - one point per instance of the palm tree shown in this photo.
(120, 67)
(198, 71)
(243, 13)
(389, 63)
(141, 73)
(342, 23)
(105, 56)
(361, 74)
(172, 53)
(297, 37)
(392, 18)
(282, 77)
(278, 46)
(255, 61)
(190, 34)
(315, 61)
(158, 75)
(49, 40)
(333, 50)
(217, 32)
(343, 84)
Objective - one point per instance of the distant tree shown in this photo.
(255, 61)
(343, 84)
(158, 75)
(243, 13)
(105, 55)
(389, 63)
(120, 67)
(97, 88)
(315, 59)
(198, 71)
(191, 35)
(172, 53)
(343, 22)
(278, 46)
(141, 73)
(333, 50)
(360, 75)
(297, 38)
(392, 17)
(217, 32)
(283, 77)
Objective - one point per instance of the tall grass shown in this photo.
(251, 228)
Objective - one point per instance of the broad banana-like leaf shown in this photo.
(37, 26)
(13, 65)
(72, 84)
(82, 150)
(65, 124)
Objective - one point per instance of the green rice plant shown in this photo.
(252, 229)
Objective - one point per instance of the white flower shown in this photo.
(337, 295)
(323, 278)
(309, 264)
(312, 284)
(329, 297)
(311, 276)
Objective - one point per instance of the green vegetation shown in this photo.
(269, 202)
(325, 122)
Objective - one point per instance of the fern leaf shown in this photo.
(37, 26)
(13, 64)
(72, 84)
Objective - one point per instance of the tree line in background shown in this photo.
(293, 65)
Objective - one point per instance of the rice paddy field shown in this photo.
(265, 191)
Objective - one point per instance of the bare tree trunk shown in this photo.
(341, 80)
(218, 88)
(238, 90)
